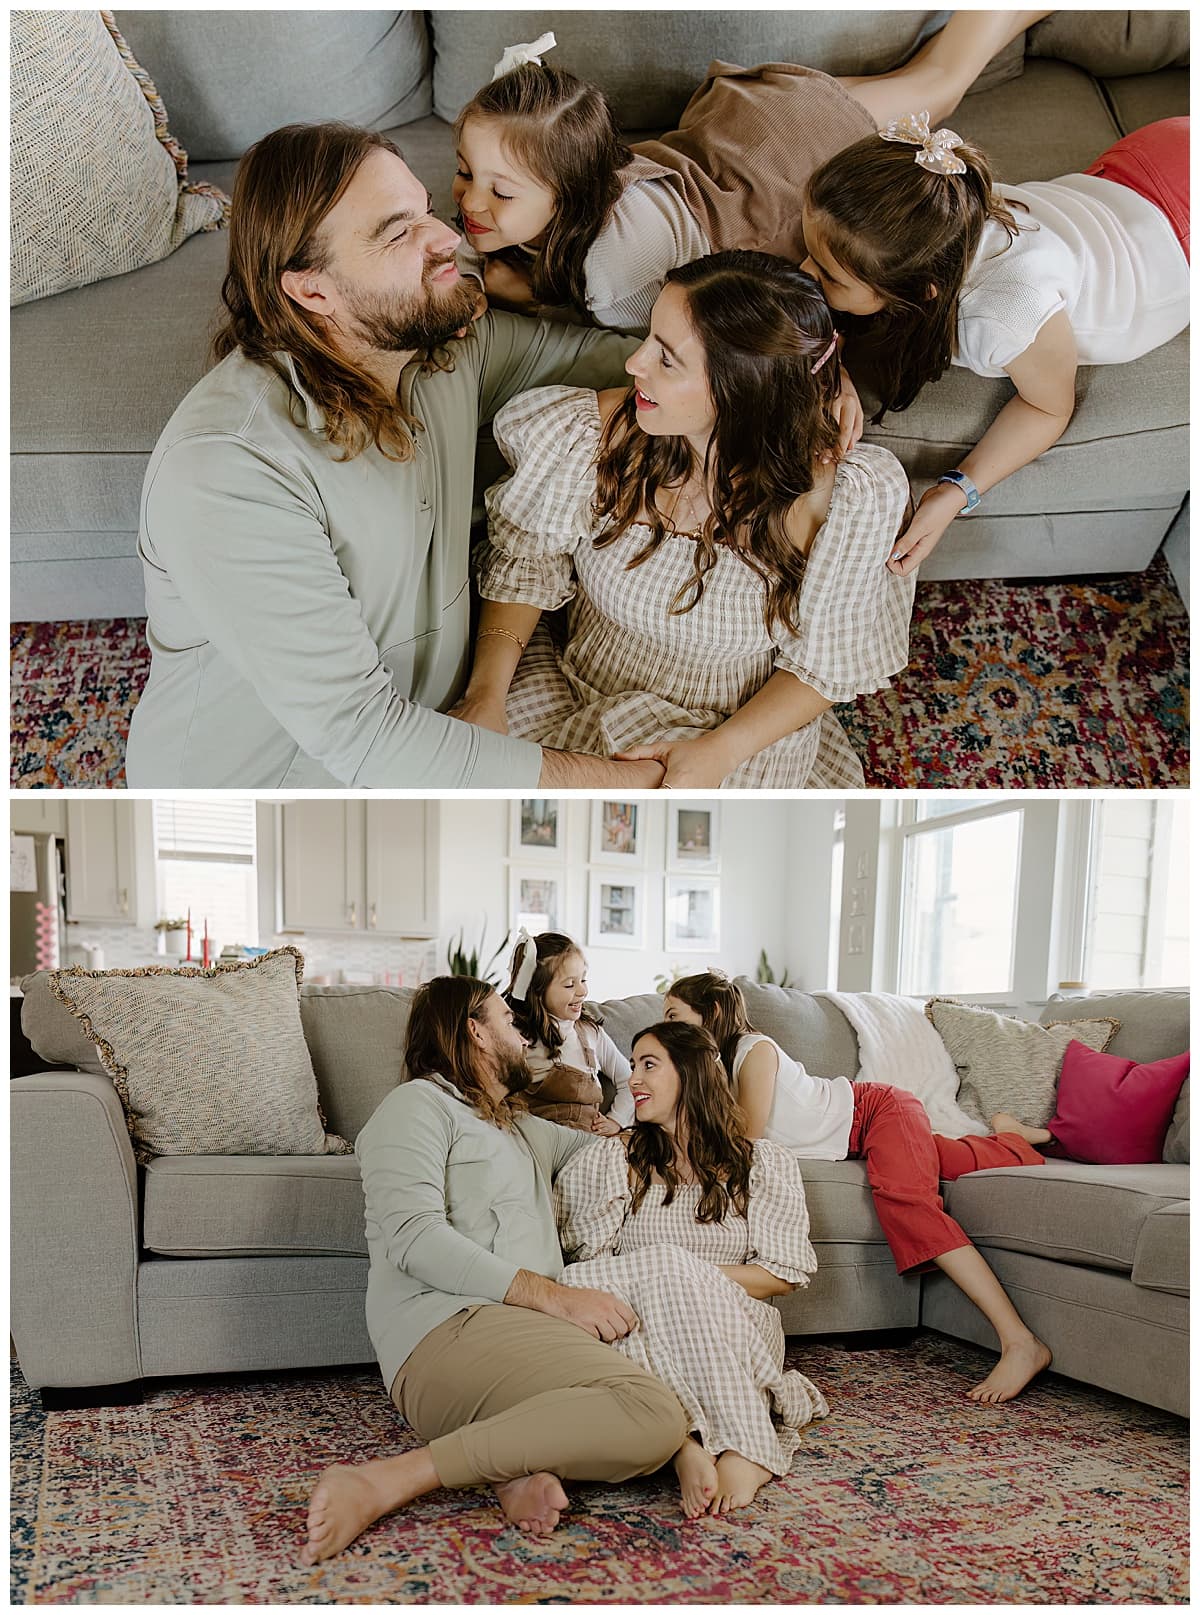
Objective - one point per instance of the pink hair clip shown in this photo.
(826, 356)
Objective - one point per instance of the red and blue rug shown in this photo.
(907, 1494)
(1041, 685)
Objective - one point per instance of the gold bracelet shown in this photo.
(508, 634)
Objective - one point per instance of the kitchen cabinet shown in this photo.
(101, 861)
(37, 811)
(359, 868)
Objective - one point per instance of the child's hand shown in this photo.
(481, 304)
(504, 284)
(938, 508)
(849, 412)
(605, 1125)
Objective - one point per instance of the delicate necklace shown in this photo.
(684, 532)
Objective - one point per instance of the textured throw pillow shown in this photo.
(98, 186)
(1177, 1146)
(1006, 1064)
(207, 1062)
(1113, 1111)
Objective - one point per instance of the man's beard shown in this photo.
(403, 322)
(514, 1073)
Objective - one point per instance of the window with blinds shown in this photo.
(205, 857)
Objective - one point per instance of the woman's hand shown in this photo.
(938, 508)
(506, 284)
(485, 711)
(690, 764)
(605, 1125)
(849, 413)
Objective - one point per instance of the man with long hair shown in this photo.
(497, 1366)
(306, 512)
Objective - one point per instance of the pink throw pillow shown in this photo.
(1114, 1111)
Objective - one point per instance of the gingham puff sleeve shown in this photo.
(591, 1200)
(853, 613)
(778, 1215)
(538, 515)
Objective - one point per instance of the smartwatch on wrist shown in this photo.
(961, 480)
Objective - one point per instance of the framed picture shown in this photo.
(538, 829)
(618, 833)
(535, 899)
(694, 837)
(692, 914)
(616, 904)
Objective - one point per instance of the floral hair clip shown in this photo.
(523, 55)
(937, 149)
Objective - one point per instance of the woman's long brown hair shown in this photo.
(911, 235)
(564, 132)
(723, 1007)
(713, 1128)
(763, 324)
(286, 185)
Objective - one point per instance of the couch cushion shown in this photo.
(1162, 1261)
(356, 1037)
(1154, 1023)
(1053, 120)
(1113, 1110)
(1109, 43)
(98, 186)
(624, 1018)
(1146, 97)
(840, 1208)
(53, 1030)
(1089, 1215)
(806, 1025)
(1177, 1144)
(364, 67)
(244, 1205)
(650, 72)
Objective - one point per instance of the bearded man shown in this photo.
(306, 512)
(499, 1368)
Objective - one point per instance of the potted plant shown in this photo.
(172, 937)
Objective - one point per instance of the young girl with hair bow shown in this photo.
(569, 1051)
(907, 228)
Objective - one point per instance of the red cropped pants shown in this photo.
(1154, 162)
(905, 1161)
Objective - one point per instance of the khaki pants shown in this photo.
(498, 1392)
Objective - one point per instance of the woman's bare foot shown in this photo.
(532, 1503)
(1002, 1122)
(347, 1498)
(697, 1477)
(738, 1482)
(1019, 1363)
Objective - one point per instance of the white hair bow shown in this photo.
(521, 55)
(526, 952)
(937, 149)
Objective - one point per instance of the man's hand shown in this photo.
(849, 412)
(938, 508)
(507, 285)
(689, 764)
(597, 1312)
(485, 711)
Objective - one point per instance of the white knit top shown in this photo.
(811, 1115)
(1099, 250)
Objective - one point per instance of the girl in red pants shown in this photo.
(835, 1120)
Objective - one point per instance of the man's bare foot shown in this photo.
(1017, 1366)
(697, 1477)
(532, 1503)
(738, 1482)
(347, 1498)
(1002, 1122)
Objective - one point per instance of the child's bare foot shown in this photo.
(697, 1477)
(532, 1503)
(1018, 1364)
(738, 1482)
(1002, 1122)
(347, 1498)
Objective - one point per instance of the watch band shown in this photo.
(962, 481)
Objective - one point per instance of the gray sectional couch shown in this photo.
(97, 371)
(211, 1264)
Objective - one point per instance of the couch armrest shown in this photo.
(74, 1232)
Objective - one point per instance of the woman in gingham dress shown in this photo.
(723, 567)
(695, 1226)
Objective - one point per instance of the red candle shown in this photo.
(204, 955)
(189, 937)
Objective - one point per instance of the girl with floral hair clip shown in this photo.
(569, 1050)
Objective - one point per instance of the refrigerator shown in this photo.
(37, 916)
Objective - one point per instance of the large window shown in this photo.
(1137, 899)
(205, 863)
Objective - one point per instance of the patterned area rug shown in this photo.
(1049, 685)
(907, 1493)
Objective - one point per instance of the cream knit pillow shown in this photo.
(206, 1062)
(98, 186)
(1006, 1064)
